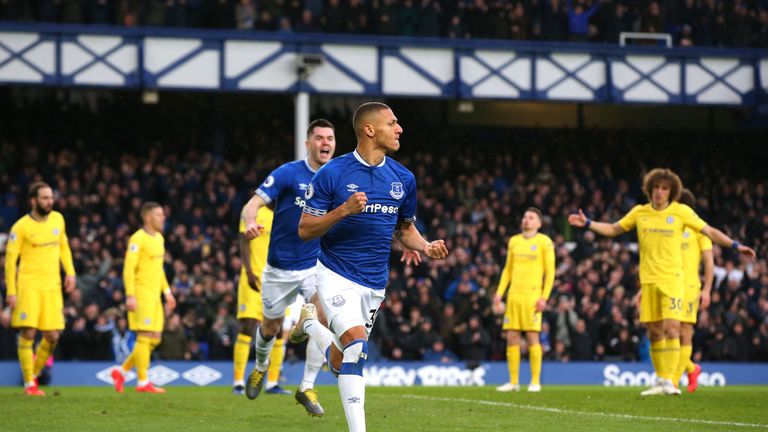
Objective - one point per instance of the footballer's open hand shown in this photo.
(410, 256)
(747, 252)
(577, 219)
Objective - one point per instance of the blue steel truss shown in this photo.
(20, 56)
(107, 56)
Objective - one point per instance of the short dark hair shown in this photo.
(537, 211)
(660, 175)
(687, 198)
(363, 111)
(34, 189)
(148, 207)
(322, 123)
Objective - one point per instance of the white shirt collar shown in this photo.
(362, 161)
(306, 162)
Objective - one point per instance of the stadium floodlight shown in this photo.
(623, 36)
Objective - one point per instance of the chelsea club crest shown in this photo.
(397, 190)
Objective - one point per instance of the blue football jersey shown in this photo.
(285, 187)
(358, 247)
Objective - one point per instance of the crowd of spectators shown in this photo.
(724, 23)
(471, 193)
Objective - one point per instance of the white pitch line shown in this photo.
(586, 413)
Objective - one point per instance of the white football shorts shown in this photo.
(346, 303)
(280, 288)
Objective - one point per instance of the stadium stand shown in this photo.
(737, 23)
(104, 155)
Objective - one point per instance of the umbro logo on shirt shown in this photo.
(302, 186)
(352, 187)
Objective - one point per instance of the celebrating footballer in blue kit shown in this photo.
(290, 268)
(354, 204)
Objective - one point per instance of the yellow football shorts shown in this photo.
(40, 309)
(691, 304)
(521, 314)
(149, 315)
(249, 303)
(661, 301)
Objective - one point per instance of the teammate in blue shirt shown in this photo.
(290, 268)
(354, 204)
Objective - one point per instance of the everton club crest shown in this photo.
(397, 190)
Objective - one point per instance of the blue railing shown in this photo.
(231, 60)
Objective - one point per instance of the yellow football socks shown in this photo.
(685, 364)
(44, 350)
(242, 350)
(657, 350)
(128, 362)
(513, 362)
(26, 359)
(535, 355)
(671, 357)
(141, 354)
(276, 361)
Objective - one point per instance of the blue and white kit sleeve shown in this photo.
(270, 189)
(319, 194)
(408, 208)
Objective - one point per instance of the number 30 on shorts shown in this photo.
(373, 313)
(675, 303)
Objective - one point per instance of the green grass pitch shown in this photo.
(422, 409)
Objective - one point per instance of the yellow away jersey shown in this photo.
(143, 272)
(660, 234)
(260, 245)
(693, 245)
(530, 266)
(38, 247)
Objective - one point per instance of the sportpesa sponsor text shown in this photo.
(614, 376)
(369, 208)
